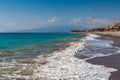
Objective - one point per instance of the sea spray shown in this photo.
(61, 65)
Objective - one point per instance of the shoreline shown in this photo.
(63, 64)
(111, 61)
(107, 33)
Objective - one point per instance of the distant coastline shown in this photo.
(112, 28)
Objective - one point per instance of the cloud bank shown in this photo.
(88, 22)
(91, 22)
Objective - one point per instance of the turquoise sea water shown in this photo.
(18, 40)
(27, 45)
(26, 55)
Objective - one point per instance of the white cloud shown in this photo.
(91, 22)
(12, 25)
(76, 21)
(53, 20)
(100, 22)
(88, 22)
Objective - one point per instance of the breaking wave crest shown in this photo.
(94, 46)
(63, 64)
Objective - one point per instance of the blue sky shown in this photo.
(29, 14)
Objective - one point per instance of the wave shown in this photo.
(63, 64)
(94, 46)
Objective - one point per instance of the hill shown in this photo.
(113, 28)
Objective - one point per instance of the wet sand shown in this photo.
(112, 61)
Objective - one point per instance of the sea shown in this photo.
(30, 45)
(53, 56)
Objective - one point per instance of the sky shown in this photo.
(34, 14)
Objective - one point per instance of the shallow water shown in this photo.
(27, 40)
(95, 46)
(30, 45)
(61, 63)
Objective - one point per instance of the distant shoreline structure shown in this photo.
(112, 28)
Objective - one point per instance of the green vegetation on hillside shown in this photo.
(114, 28)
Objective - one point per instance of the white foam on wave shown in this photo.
(95, 46)
(64, 66)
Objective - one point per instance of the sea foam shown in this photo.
(63, 65)
(95, 46)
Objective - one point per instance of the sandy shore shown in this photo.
(112, 61)
(109, 33)
(61, 65)
(64, 65)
